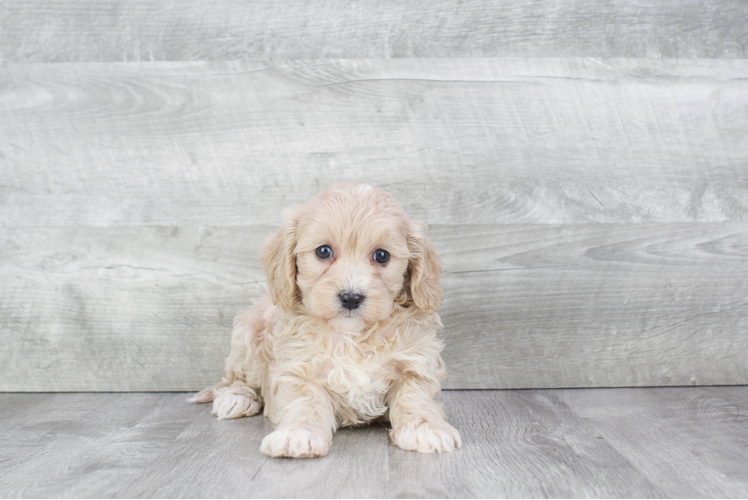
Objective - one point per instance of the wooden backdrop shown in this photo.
(583, 167)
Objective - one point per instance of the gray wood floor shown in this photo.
(653, 442)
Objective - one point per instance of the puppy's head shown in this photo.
(350, 254)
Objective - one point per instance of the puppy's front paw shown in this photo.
(427, 437)
(295, 443)
(236, 404)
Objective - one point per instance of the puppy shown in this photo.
(346, 334)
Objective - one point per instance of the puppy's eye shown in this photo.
(324, 252)
(381, 256)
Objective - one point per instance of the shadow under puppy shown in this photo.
(347, 333)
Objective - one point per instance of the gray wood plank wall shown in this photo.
(583, 169)
(134, 30)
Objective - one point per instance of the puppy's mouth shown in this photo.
(353, 313)
(349, 321)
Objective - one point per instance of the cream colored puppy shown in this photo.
(347, 333)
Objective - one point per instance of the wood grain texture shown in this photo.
(68, 302)
(213, 458)
(134, 30)
(596, 305)
(518, 444)
(691, 442)
(456, 141)
(72, 445)
(124, 309)
(609, 443)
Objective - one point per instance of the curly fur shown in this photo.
(316, 366)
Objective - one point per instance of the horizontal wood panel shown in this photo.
(597, 306)
(126, 309)
(134, 30)
(144, 309)
(456, 141)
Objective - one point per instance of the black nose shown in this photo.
(351, 300)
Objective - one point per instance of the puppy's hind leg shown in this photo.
(238, 393)
(230, 400)
(236, 401)
(209, 394)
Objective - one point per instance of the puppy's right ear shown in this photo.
(279, 262)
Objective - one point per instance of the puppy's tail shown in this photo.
(209, 394)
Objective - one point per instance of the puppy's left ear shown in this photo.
(425, 270)
(279, 262)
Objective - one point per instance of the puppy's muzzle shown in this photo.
(351, 300)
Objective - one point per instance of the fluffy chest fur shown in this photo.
(356, 370)
(359, 377)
